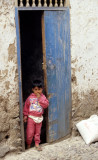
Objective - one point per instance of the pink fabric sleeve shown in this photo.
(43, 101)
(26, 107)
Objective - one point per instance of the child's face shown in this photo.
(37, 90)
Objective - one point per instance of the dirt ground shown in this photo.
(73, 148)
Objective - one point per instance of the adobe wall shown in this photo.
(84, 58)
(10, 137)
(84, 65)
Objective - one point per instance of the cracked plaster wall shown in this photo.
(10, 138)
(84, 58)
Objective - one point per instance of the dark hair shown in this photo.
(37, 83)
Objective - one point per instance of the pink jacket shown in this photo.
(35, 106)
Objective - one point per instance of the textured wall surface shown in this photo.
(9, 97)
(84, 55)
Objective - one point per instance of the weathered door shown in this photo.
(56, 41)
(56, 51)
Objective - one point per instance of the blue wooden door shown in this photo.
(57, 44)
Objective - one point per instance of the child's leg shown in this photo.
(37, 133)
(30, 131)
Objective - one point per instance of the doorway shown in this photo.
(31, 56)
(43, 35)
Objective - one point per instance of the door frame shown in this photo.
(17, 9)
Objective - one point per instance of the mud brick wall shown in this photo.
(10, 137)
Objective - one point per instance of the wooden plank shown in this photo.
(67, 3)
(44, 67)
(44, 54)
(16, 3)
(57, 38)
(42, 8)
(19, 72)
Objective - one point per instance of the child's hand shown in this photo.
(38, 95)
(25, 118)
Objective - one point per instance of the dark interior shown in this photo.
(31, 55)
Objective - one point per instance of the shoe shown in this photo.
(38, 148)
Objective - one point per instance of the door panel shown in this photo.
(57, 45)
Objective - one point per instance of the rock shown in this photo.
(2, 135)
(3, 150)
(4, 124)
(17, 143)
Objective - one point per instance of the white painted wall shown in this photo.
(84, 40)
(84, 57)
(8, 61)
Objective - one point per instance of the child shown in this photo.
(33, 110)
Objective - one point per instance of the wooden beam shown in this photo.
(41, 8)
(67, 3)
(16, 3)
(20, 78)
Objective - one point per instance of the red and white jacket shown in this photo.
(35, 106)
